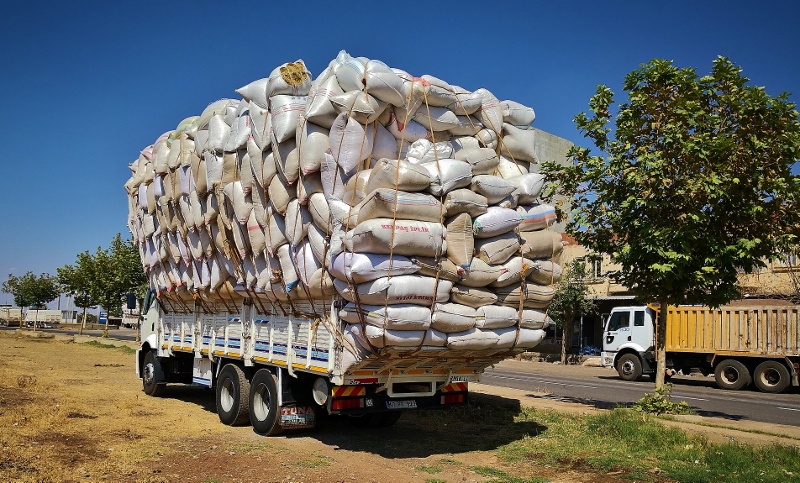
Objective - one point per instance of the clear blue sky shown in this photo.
(87, 84)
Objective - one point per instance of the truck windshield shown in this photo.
(618, 320)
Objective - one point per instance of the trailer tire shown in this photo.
(150, 370)
(771, 376)
(732, 375)
(264, 410)
(233, 390)
(629, 367)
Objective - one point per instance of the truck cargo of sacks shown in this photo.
(399, 194)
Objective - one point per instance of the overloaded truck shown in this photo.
(10, 316)
(740, 345)
(362, 244)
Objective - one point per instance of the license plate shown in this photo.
(401, 404)
(297, 417)
(459, 379)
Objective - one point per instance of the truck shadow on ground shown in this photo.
(486, 424)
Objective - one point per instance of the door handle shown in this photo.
(629, 338)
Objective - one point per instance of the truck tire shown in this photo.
(629, 367)
(771, 376)
(264, 410)
(233, 390)
(732, 375)
(150, 370)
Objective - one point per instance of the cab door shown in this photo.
(618, 331)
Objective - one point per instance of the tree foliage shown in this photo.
(693, 183)
(570, 300)
(30, 290)
(103, 278)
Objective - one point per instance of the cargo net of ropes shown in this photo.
(407, 199)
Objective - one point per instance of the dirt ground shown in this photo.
(74, 412)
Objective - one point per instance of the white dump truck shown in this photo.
(363, 243)
(739, 345)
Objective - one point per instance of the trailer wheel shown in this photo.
(771, 376)
(732, 375)
(629, 367)
(233, 390)
(264, 410)
(150, 370)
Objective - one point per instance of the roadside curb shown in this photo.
(717, 430)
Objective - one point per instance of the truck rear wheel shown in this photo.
(732, 374)
(264, 410)
(629, 367)
(233, 390)
(771, 376)
(150, 371)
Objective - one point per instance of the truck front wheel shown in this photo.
(732, 374)
(150, 372)
(629, 367)
(233, 390)
(264, 410)
(771, 376)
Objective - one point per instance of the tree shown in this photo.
(105, 277)
(570, 300)
(31, 291)
(694, 183)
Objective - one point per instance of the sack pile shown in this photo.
(409, 198)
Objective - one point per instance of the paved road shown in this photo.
(602, 388)
(119, 334)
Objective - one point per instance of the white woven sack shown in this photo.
(533, 296)
(333, 178)
(409, 130)
(424, 151)
(240, 131)
(465, 103)
(466, 126)
(286, 112)
(465, 201)
(525, 339)
(436, 118)
(519, 144)
(400, 205)
(258, 240)
(472, 296)
(541, 244)
(447, 175)
(384, 145)
(291, 78)
(513, 271)
(494, 188)
(439, 92)
(255, 92)
(536, 217)
(350, 143)
(383, 83)
(288, 272)
(496, 250)
(312, 143)
(412, 289)
(280, 193)
(297, 220)
(460, 240)
(529, 186)
(349, 70)
(358, 105)
(355, 189)
(482, 160)
(491, 112)
(406, 177)
(305, 262)
(473, 339)
(260, 125)
(545, 272)
(275, 231)
(451, 317)
(535, 319)
(287, 158)
(218, 133)
(364, 267)
(465, 142)
(379, 338)
(394, 317)
(496, 317)
(319, 245)
(242, 206)
(496, 221)
(400, 237)
(307, 185)
(480, 273)
(508, 168)
(319, 108)
(517, 114)
(214, 168)
(487, 138)
(327, 213)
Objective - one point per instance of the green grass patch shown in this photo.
(312, 463)
(122, 348)
(429, 469)
(498, 476)
(639, 447)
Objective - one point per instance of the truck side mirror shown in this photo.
(130, 299)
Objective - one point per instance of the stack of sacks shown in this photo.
(410, 198)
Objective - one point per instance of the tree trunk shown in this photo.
(566, 337)
(83, 322)
(661, 344)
